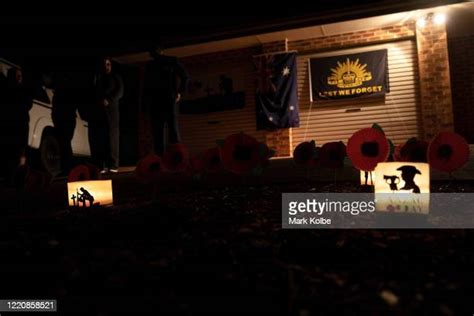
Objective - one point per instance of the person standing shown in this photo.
(17, 102)
(165, 80)
(109, 90)
(64, 119)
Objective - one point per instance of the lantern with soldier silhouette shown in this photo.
(90, 193)
(402, 187)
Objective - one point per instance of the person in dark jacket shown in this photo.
(165, 80)
(109, 90)
(15, 119)
(64, 119)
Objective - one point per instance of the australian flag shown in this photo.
(276, 96)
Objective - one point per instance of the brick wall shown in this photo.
(435, 85)
(461, 64)
(347, 40)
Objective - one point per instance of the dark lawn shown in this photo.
(222, 251)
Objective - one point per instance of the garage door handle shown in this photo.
(353, 110)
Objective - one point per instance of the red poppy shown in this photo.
(306, 154)
(79, 173)
(36, 180)
(212, 160)
(196, 164)
(240, 153)
(367, 147)
(149, 168)
(448, 151)
(176, 158)
(414, 150)
(332, 155)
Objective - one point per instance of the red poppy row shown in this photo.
(241, 153)
(330, 155)
(367, 147)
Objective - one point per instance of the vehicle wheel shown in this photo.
(50, 154)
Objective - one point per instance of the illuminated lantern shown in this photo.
(448, 151)
(414, 150)
(90, 193)
(367, 178)
(212, 160)
(176, 158)
(240, 153)
(402, 187)
(149, 168)
(367, 147)
(306, 154)
(332, 155)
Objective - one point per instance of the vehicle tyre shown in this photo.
(50, 154)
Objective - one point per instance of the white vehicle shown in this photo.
(41, 134)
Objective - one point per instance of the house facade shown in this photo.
(430, 74)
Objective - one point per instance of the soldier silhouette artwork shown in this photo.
(73, 198)
(82, 197)
(408, 175)
(392, 181)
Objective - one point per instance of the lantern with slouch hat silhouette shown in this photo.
(402, 187)
(448, 151)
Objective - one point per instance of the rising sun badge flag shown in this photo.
(349, 76)
(276, 94)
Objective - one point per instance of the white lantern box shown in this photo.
(402, 187)
(90, 193)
